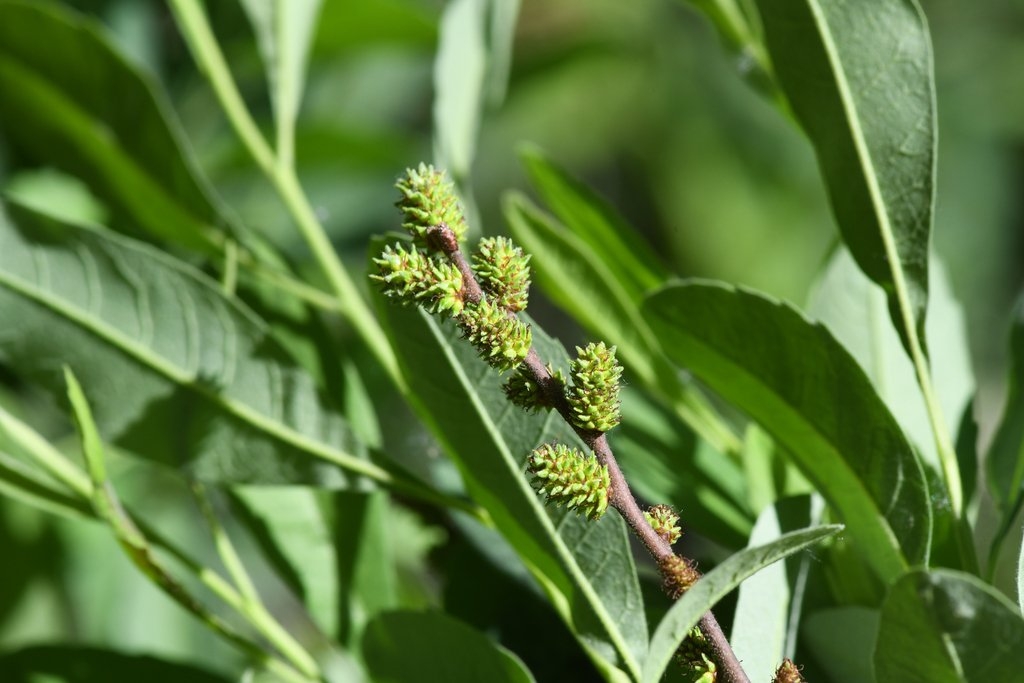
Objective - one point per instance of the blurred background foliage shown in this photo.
(641, 101)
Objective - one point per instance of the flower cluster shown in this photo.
(568, 477)
(428, 199)
(522, 389)
(665, 521)
(503, 272)
(594, 393)
(412, 276)
(501, 340)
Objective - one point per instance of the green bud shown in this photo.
(692, 655)
(414, 277)
(594, 394)
(522, 390)
(503, 271)
(568, 477)
(501, 341)
(427, 199)
(664, 520)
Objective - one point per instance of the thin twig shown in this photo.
(620, 496)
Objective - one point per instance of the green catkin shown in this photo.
(569, 478)
(504, 272)
(428, 199)
(594, 393)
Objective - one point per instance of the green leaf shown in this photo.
(290, 523)
(768, 607)
(586, 568)
(804, 389)
(409, 647)
(843, 638)
(176, 372)
(22, 483)
(858, 76)
(1005, 462)
(1020, 575)
(715, 585)
(284, 31)
(637, 269)
(80, 664)
(944, 625)
(70, 100)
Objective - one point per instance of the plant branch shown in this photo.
(620, 496)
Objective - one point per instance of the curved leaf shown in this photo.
(81, 664)
(945, 625)
(1005, 460)
(805, 390)
(715, 585)
(858, 76)
(176, 372)
(69, 99)
(586, 568)
(409, 647)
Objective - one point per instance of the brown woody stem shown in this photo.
(620, 496)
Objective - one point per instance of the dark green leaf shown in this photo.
(1006, 455)
(944, 625)
(858, 76)
(805, 390)
(80, 664)
(410, 647)
(713, 586)
(585, 567)
(843, 640)
(69, 99)
(175, 371)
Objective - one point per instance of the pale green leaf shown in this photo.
(715, 585)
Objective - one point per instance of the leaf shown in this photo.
(409, 647)
(945, 625)
(715, 585)
(459, 73)
(81, 664)
(585, 568)
(768, 607)
(290, 524)
(804, 389)
(1006, 455)
(69, 99)
(858, 76)
(637, 269)
(284, 31)
(21, 483)
(176, 372)
(1020, 575)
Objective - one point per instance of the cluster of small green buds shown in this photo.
(692, 656)
(678, 575)
(501, 340)
(414, 277)
(568, 477)
(594, 393)
(665, 521)
(788, 672)
(428, 198)
(504, 272)
(522, 389)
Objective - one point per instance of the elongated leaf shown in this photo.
(409, 647)
(69, 99)
(585, 568)
(21, 483)
(175, 372)
(1006, 456)
(1020, 575)
(290, 522)
(459, 74)
(858, 76)
(636, 267)
(768, 607)
(80, 664)
(944, 625)
(713, 586)
(805, 390)
(284, 31)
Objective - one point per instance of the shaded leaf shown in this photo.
(858, 76)
(843, 640)
(69, 99)
(409, 647)
(1006, 455)
(944, 625)
(80, 664)
(21, 483)
(713, 586)
(586, 568)
(805, 390)
(176, 372)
